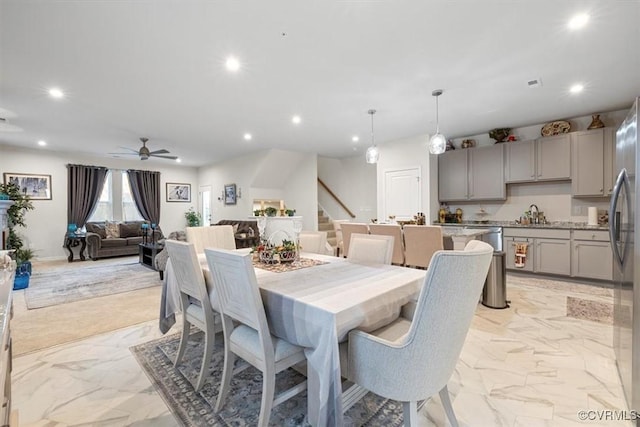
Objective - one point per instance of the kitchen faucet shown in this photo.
(535, 218)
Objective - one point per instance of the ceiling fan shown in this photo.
(144, 152)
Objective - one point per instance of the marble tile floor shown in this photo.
(529, 365)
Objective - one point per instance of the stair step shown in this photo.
(323, 219)
(325, 226)
(332, 241)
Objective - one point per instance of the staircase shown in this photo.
(325, 224)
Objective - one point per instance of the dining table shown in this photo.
(314, 304)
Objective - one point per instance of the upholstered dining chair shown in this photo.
(412, 360)
(313, 241)
(398, 244)
(347, 229)
(371, 248)
(213, 236)
(337, 227)
(246, 332)
(420, 243)
(195, 303)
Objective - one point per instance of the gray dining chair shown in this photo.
(194, 301)
(246, 332)
(410, 361)
(370, 248)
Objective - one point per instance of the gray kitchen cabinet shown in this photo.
(543, 159)
(591, 154)
(509, 246)
(553, 158)
(609, 160)
(553, 256)
(591, 255)
(453, 180)
(549, 250)
(520, 165)
(472, 174)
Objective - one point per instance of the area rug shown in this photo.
(61, 287)
(594, 311)
(242, 406)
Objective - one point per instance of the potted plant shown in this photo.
(258, 212)
(193, 218)
(270, 211)
(290, 212)
(15, 216)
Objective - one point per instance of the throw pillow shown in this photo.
(112, 229)
(132, 229)
(235, 228)
(96, 228)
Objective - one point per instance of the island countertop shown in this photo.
(562, 225)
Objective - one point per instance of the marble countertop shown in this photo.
(565, 225)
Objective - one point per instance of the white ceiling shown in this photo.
(156, 68)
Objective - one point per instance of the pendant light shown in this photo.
(373, 154)
(437, 143)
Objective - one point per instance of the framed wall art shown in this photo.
(37, 187)
(230, 195)
(177, 192)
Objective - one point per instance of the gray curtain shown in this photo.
(145, 188)
(84, 185)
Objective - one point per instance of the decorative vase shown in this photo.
(267, 257)
(596, 123)
(23, 273)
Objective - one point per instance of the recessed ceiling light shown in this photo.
(578, 21)
(577, 88)
(178, 160)
(296, 119)
(42, 143)
(56, 93)
(247, 137)
(355, 138)
(232, 64)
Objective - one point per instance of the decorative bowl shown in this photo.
(268, 257)
(287, 256)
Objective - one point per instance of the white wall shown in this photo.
(47, 223)
(353, 181)
(293, 180)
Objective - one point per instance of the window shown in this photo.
(116, 202)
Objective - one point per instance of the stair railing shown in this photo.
(336, 198)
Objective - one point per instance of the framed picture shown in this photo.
(37, 187)
(177, 192)
(230, 194)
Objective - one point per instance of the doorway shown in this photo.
(204, 198)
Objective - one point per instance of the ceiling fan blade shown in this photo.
(163, 151)
(130, 149)
(164, 157)
(126, 154)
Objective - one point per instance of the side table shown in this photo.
(72, 240)
(147, 253)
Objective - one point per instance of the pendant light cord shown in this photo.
(372, 112)
(437, 115)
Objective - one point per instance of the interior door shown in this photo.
(204, 199)
(402, 193)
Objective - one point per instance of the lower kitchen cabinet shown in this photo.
(509, 245)
(591, 255)
(553, 256)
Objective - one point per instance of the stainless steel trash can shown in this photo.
(494, 294)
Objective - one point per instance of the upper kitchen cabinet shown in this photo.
(472, 174)
(543, 159)
(592, 161)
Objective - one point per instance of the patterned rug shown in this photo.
(242, 406)
(60, 287)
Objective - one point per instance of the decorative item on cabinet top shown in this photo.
(468, 143)
(555, 128)
(450, 145)
(596, 123)
(499, 134)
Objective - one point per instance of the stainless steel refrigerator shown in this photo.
(624, 218)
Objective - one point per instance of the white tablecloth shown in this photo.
(316, 308)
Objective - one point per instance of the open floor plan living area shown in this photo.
(354, 213)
